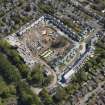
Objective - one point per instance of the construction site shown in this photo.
(47, 43)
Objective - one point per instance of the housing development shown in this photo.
(56, 56)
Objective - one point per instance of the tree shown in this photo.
(46, 8)
(36, 76)
(72, 88)
(47, 80)
(9, 72)
(6, 90)
(45, 97)
(61, 95)
(24, 70)
(80, 77)
(26, 96)
(4, 44)
(14, 58)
